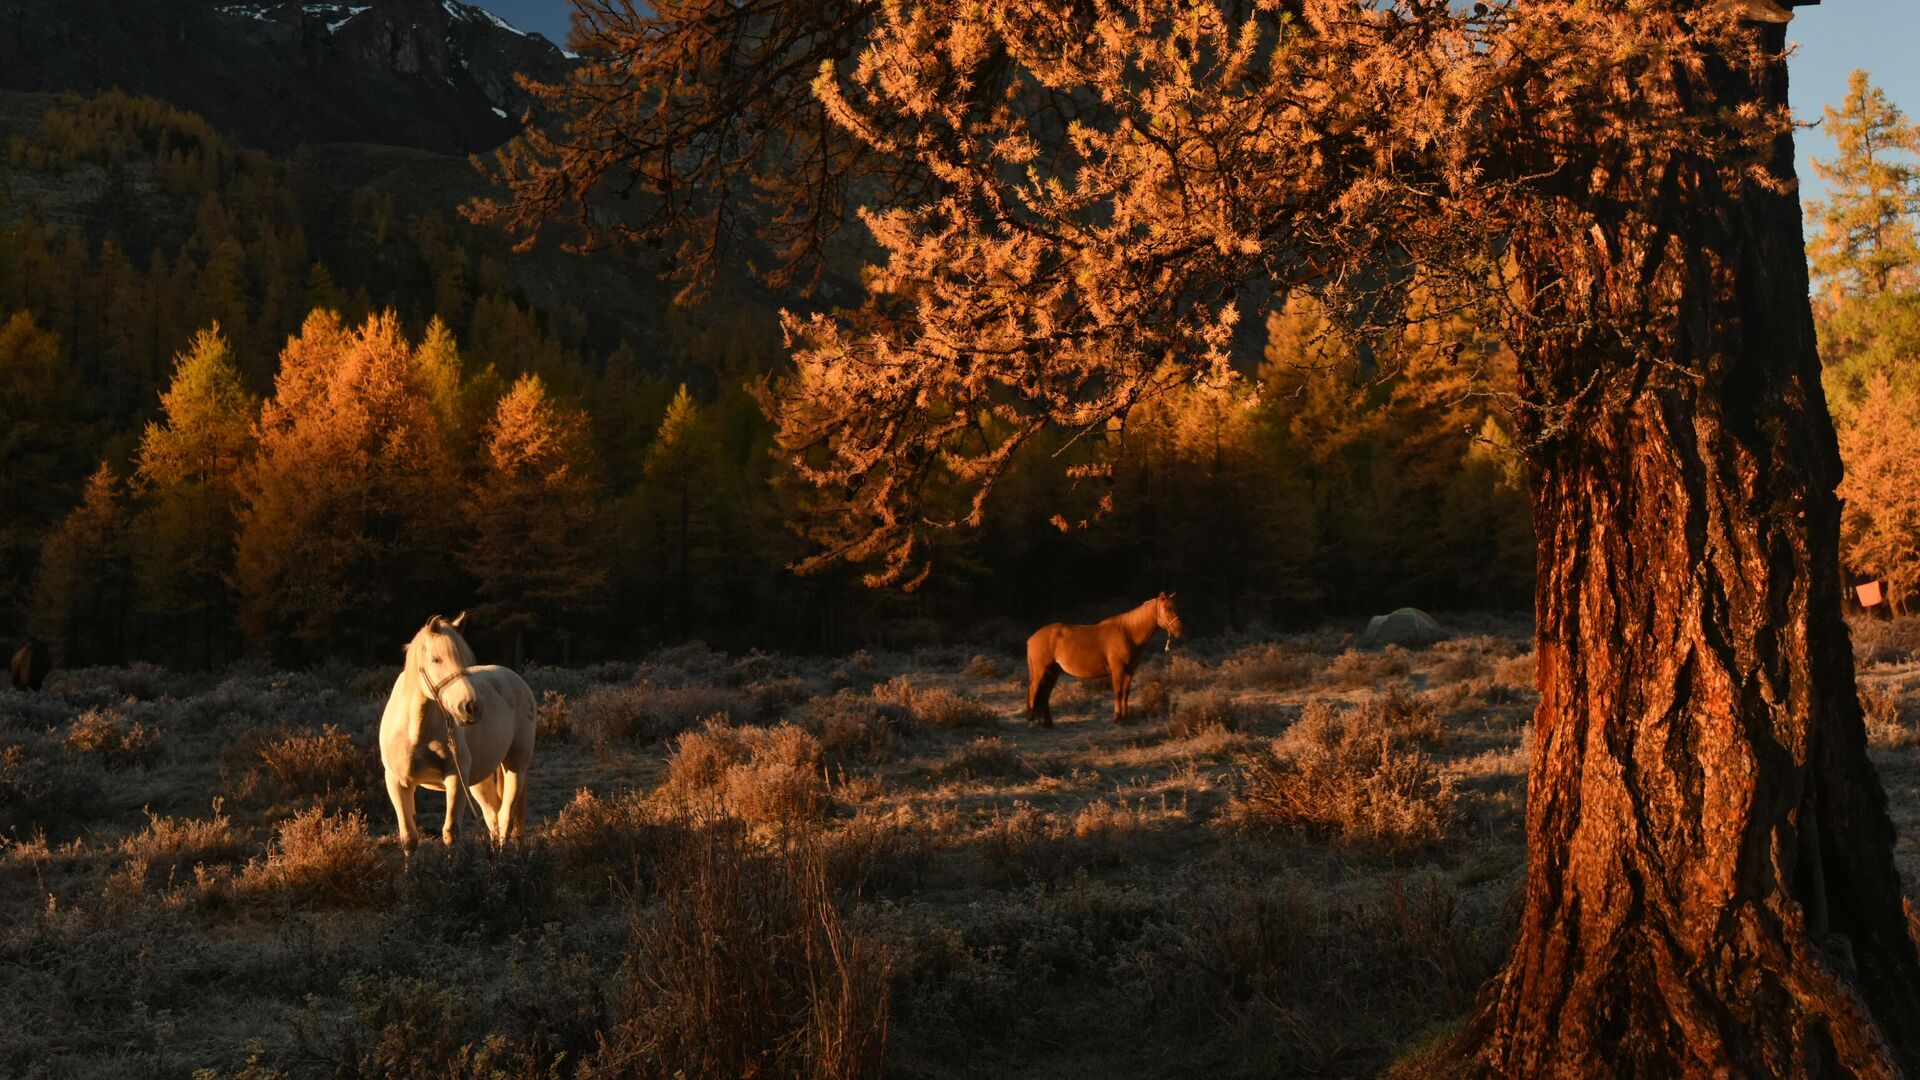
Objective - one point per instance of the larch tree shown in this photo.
(83, 591)
(1864, 249)
(41, 455)
(1880, 529)
(681, 500)
(188, 464)
(1073, 204)
(536, 555)
(350, 517)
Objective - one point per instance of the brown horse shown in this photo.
(1109, 647)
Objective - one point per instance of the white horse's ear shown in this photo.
(436, 622)
(459, 620)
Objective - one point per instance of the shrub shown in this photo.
(983, 666)
(39, 793)
(328, 857)
(1329, 775)
(1151, 700)
(1885, 641)
(855, 727)
(1516, 673)
(452, 891)
(795, 992)
(937, 706)
(769, 699)
(553, 721)
(315, 762)
(1402, 716)
(766, 775)
(600, 839)
(1198, 712)
(1355, 668)
(106, 734)
(983, 757)
(1886, 722)
(646, 712)
(169, 846)
(1269, 666)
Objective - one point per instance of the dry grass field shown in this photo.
(1300, 860)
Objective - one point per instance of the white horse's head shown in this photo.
(439, 657)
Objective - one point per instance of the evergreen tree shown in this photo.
(42, 447)
(83, 589)
(535, 554)
(683, 501)
(1863, 247)
(188, 463)
(349, 519)
(1880, 525)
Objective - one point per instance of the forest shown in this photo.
(791, 363)
(183, 420)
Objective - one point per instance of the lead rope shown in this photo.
(453, 748)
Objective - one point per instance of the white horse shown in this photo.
(488, 714)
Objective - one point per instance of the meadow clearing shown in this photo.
(1301, 859)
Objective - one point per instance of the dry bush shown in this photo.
(1885, 641)
(470, 888)
(858, 668)
(42, 792)
(407, 1027)
(1887, 724)
(1152, 700)
(646, 712)
(855, 727)
(317, 856)
(983, 666)
(607, 839)
(108, 736)
(765, 775)
(1330, 775)
(984, 757)
(553, 721)
(1402, 716)
(1198, 712)
(796, 992)
(1356, 668)
(937, 706)
(771, 698)
(1187, 672)
(1516, 673)
(316, 762)
(169, 846)
(1269, 666)
(1458, 669)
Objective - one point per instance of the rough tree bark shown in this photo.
(1710, 884)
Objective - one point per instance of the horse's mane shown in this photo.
(1139, 618)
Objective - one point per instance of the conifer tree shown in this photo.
(350, 523)
(535, 555)
(188, 465)
(82, 593)
(41, 448)
(1880, 528)
(683, 500)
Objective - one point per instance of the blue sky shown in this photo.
(1882, 36)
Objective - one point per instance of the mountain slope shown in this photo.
(431, 74)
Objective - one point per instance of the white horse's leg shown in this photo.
(513, 787)
(487, 793)
(401, 793)
(454, 799)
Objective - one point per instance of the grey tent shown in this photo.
(1406, 626)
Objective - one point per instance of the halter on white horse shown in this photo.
(433, 694)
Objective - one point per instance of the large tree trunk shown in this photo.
(1710, 883)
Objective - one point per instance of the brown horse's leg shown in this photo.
(1122, 681)
(1040, 694)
